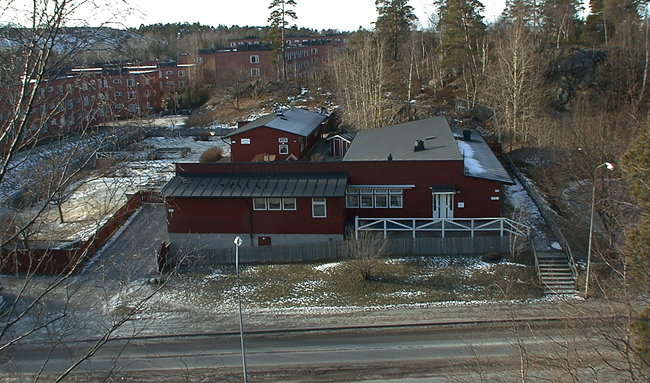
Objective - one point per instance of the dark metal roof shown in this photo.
(297, 121)
(398, 141)
(479, 160)
(258, 185)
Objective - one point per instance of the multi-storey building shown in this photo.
(72, 98)
(256, 57)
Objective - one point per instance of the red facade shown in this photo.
(247, 145)
(478, 197)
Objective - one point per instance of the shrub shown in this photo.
(261, 157)
(211, 155)
(366, 252)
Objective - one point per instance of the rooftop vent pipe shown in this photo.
(419, 145)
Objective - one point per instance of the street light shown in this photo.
(238, 243)
(609, 166)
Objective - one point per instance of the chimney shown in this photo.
(467, 135)
(419, 146)
(279, 112)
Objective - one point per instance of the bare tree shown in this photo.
(365, 252)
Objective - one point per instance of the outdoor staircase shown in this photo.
(555, 273)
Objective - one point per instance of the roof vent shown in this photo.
(467, 135)
(279, 112)
(419, 146)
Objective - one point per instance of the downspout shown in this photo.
(250, 219)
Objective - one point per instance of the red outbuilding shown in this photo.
(285, 135)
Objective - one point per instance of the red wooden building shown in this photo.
(286, 134)
(421, 169)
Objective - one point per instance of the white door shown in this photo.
(443, 205)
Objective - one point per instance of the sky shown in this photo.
(344, 15)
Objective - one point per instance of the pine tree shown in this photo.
(394, 24)
(279, 20)
(462, 31)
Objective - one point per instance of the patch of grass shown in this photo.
(409, 280)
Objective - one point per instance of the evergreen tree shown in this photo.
(394, 24)
(279, 20)
(460, 26)
(462, 31)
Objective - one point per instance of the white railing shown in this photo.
(469, 226)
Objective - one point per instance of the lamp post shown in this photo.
(238, 242)
(609, 166)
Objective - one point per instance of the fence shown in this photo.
(464, 227)
(336, 250)
(63, 261)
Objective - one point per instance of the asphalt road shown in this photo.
(425, 350)
(131, 254)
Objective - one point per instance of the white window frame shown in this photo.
(130, 82)
(255, 72)
(117, 81)
(375, 196)
(258, 202)
(181, 73)
(318, 202)
(132, 95)
(255, 59)
(274, 203)
(283, 149)
(117, 94)
(289, 203)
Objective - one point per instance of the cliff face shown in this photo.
(574, 73)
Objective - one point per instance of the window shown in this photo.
(255, 72)
(85, 86)
(245, 141)
(147, 93)
(318, 208)
(284, 149)
(288, 204)
(255, 59)
(117, 81)
(170, 83)
(181, 84)
(50, 89)
(314, 51)
(118, 94)
(60, 87)
(169, 72)
(133, 108)
(104, 83)
(181, 73)
(373, 197)
(130, 82)
(119, 106)
(131, 95)
(275, 203)
(199, 60)
(86, 101)
(70, 104)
